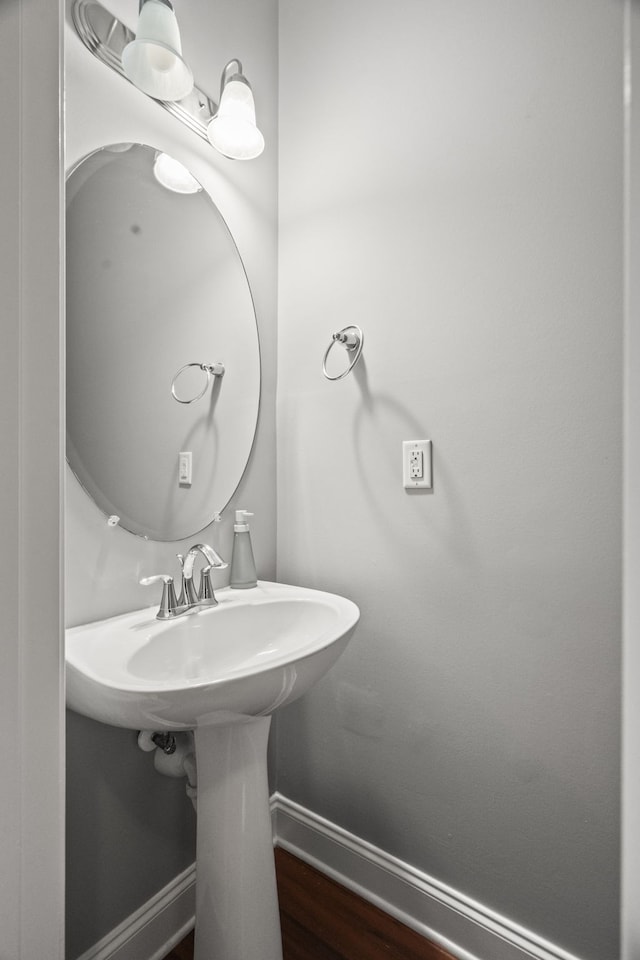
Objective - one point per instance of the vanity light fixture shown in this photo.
(233, 130)
(152, 61)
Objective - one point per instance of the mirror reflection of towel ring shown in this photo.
(352, 339)
(210, 369)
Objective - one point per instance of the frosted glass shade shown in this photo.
(153, 61)
(233, 130)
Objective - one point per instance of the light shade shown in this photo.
(153, 61)
(233, 130)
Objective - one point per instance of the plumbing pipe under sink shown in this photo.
(174, 755)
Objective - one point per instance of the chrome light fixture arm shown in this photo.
(231, 69)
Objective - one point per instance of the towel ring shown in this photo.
(352, 339)
(211, 370)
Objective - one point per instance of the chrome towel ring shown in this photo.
(352, 339)
(211, 370)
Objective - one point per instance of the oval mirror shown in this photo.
(163, 360)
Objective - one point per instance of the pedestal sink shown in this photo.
(221, 672)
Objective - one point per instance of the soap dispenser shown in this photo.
(243, 566)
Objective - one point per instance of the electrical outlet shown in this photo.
(416, 464)
(185, 468)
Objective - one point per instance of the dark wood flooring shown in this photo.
(321, 920)
(184, 950)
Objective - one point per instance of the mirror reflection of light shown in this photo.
(118, 147)
(174, 175)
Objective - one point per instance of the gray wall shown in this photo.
(451, 179)
(130, 831)
(467, 213)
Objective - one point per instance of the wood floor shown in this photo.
(184, 950)
(323, 921)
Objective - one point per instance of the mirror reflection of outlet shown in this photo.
(416, 464)
(185, 468)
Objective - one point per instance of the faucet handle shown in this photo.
(168, 603)
(206, 596)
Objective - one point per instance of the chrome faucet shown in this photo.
(189, 599)
(205, 596)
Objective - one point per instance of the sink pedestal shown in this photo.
(236, 897)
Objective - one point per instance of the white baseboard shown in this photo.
(153, 930)
(464, 927)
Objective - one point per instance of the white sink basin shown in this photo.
(222, 672)
(257, 650)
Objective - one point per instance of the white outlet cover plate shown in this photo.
(408, 448)
(185, 468)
